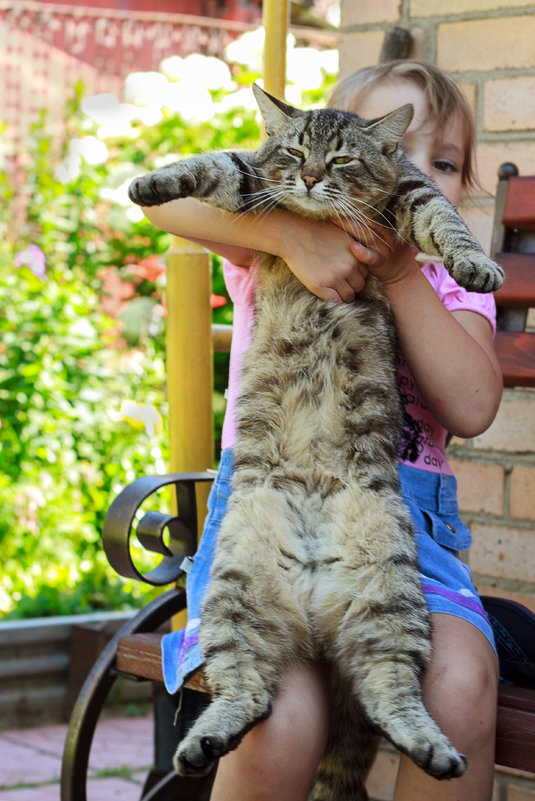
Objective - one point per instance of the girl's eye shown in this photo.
(444, 166)
(342, 159)
(297, 153)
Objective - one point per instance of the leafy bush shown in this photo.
(82, 330)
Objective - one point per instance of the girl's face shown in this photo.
(438, 152)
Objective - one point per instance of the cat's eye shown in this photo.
(294, 152)
(342, 159)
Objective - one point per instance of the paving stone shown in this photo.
(47, 739)
(26, 765)
(46, 792)
(123, 742)
(111, 789)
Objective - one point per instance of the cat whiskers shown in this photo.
(356, 216)
(263, 201)
(362, 222)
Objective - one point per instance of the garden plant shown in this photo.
(82, 317)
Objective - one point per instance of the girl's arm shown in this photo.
(451, 355)
(318, 253)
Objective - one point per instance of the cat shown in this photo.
(316, 555)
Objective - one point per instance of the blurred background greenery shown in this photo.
(82, 323)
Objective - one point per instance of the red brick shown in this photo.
(522, 492)
(509, 103)
(437, 8)
(480, 486)
(514, 426)
(486, 44)
(490, 155)
(359, 50)
(369, 11)
(503, 551)
(22, 764)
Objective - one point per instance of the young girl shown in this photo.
(450, 380)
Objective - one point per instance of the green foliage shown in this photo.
(67, 366)
(82, 333)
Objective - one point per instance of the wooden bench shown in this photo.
(136, 651)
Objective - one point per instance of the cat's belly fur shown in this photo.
(318, 399)
(315, 492)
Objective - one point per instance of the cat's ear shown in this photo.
(389, 129)
(276, 114)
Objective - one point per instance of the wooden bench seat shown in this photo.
(140, 655)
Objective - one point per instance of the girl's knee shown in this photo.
(299, 721)
(278, 758)
(460, 686)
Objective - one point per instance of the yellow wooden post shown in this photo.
(275, 15)
(188, 345)
(189, 357)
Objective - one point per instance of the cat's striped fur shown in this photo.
(316, 555)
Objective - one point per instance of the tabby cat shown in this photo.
(316, 555)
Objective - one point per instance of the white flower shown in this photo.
(70, 169)
(146, 88)
(119, 194)
(247, 50)
(293, 95)
(139, 415)
(113, 117)
(105, 109)
(192, 102)
(93, 150)
(205, 72)
(306, 67)
(134, 214)
(330, 61)
(243, 98)
(173, 68)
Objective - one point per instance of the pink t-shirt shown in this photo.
(424, 439)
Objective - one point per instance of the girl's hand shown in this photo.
(319, 254)
(382, 253)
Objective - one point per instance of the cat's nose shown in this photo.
(310, 181)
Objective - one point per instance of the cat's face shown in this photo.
(329, 163)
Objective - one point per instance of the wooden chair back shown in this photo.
(513, 246)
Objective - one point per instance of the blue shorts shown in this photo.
(440, 535)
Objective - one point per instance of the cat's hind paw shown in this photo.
(219, 730)
(442, 762)
(475, 271)
(198, 757)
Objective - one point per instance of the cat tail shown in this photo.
(350, 751)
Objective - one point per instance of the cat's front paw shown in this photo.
(475, 271)
(159, 187)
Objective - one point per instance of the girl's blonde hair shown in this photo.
(443, 96)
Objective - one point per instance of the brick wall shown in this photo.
(489, 47)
